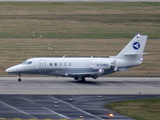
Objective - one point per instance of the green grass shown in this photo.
(79, 20)
(146, 109)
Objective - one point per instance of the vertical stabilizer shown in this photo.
(134, 49)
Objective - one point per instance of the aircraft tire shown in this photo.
(83, 80)
(19, 80)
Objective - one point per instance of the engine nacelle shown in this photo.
(99, 64)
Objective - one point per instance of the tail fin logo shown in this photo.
(136, 45)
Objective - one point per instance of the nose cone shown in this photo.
(12, 70)
(8, 70)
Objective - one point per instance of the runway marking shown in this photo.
(47, 108)
(78, 108)
(56, 113)
(17, 109)
(89, 100)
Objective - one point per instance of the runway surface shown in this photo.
(35, 97)
(43, 107)
(64, 86)
(79, 0)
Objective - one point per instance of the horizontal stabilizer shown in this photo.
(135, 53)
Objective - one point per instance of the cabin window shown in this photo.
(69, 63)
(60, 64)
(55, 64)
(65, 64)
(30, 62)
(50, 64)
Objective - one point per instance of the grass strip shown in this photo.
(145, 109)
(79, 20)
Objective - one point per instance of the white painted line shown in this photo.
(78, 108)
(47, 109)
(17, 109)
(55, 112)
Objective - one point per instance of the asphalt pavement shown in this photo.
(88, 107)
(79, 0)
(64, 86)
(64, 98)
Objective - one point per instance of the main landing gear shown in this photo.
(80, 79)
(19, 78)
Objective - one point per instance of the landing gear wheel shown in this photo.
(76, 78)
(83, 79)
(19, 80)
(80, 79)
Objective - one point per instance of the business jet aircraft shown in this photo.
(81, 67)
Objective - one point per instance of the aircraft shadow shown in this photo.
(86, 82)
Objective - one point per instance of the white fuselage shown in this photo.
(69, 67)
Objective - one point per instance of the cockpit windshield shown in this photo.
(29, 62)
(24, 63)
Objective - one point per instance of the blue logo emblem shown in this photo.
(136, 45)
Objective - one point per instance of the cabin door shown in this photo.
(42, 66)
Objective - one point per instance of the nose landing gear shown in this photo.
(19, 78)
